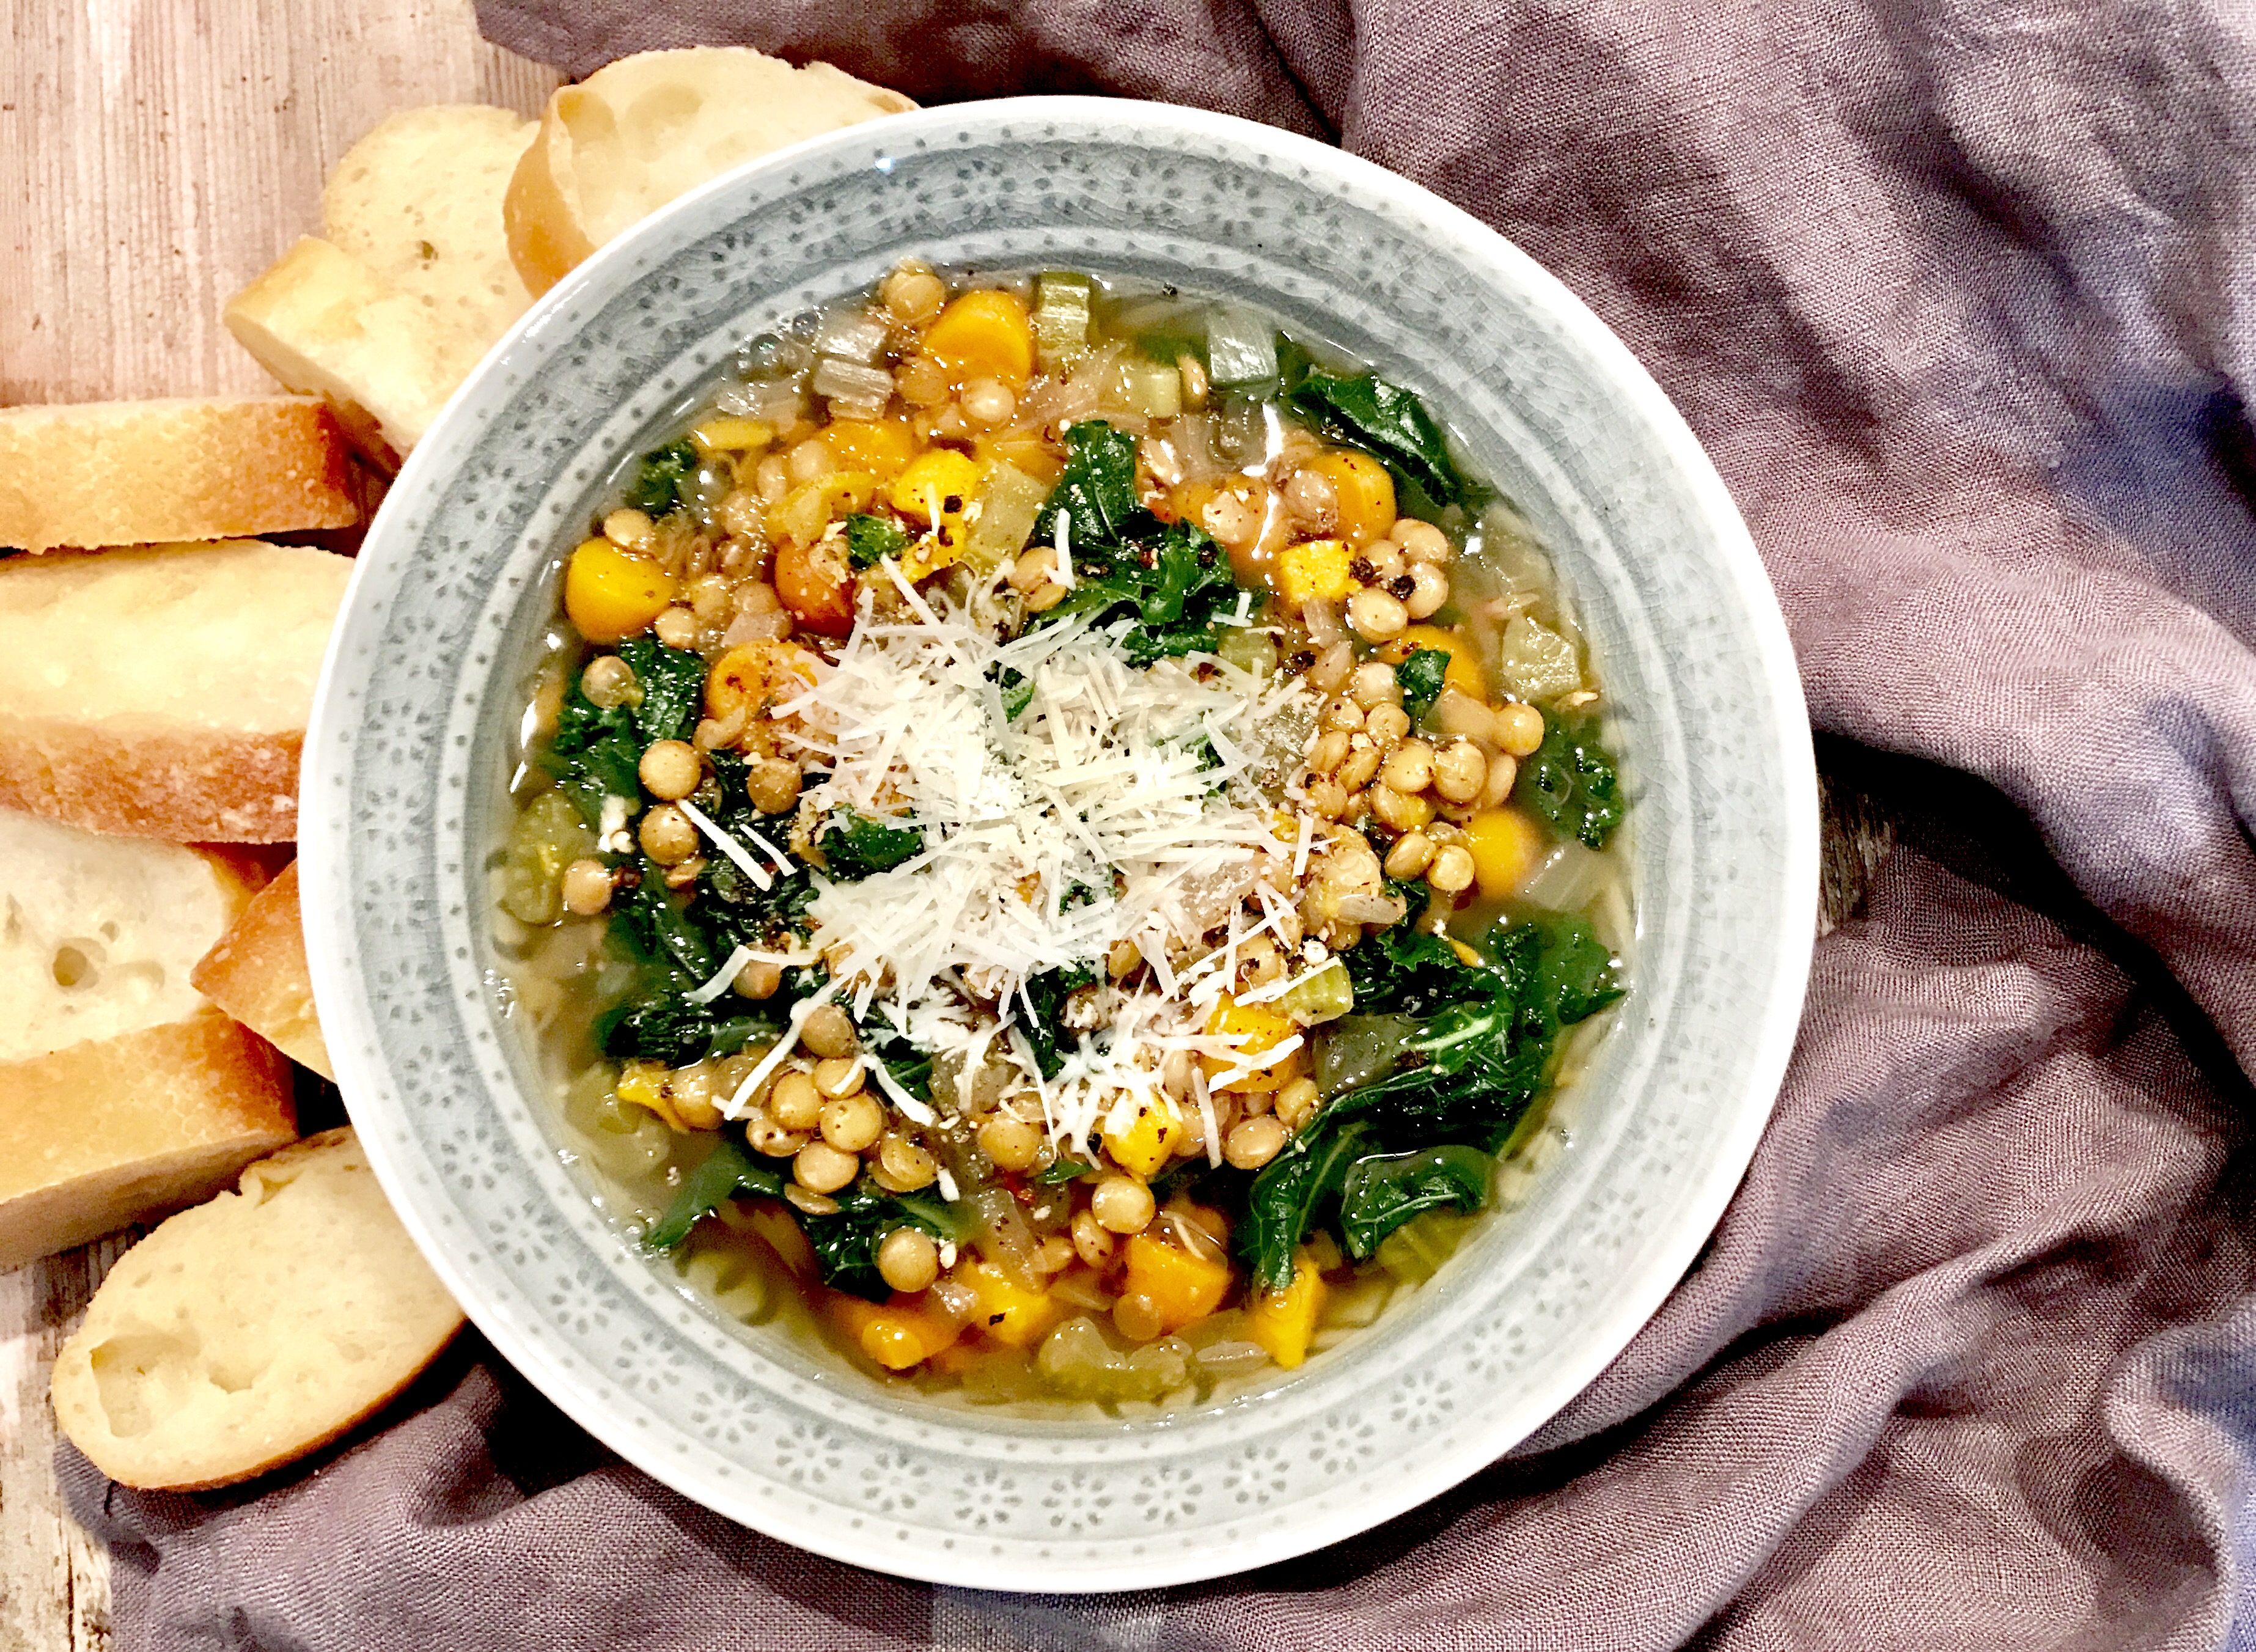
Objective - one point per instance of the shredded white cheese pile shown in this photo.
(1121, 803)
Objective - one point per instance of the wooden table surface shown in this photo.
(155, 155)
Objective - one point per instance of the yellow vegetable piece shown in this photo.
(1184, 1288)
(1283, 1321)
(984, 336)
(643, 1085)
(1148, 1138)
(1364, 490)
(1314, 571)
(1464, 671)
(1506, 843)
(730, 436)
(880, 447)
(1258, 1027)
(935, 490)
(1012, 1315)
(611, 595)
(899, 1335)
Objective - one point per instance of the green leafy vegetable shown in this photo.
(657, 487)
(846, 1243)
(871, 540)
(857, 845)
(594, 754)
(1570, 781)
(1295, 1193)
(677, 1032)
(1464, 1078)
(1363, 410)
(672, 689)
(1421, 676)
(1062, 1170)
(726, 1172)
(1097, 486)
(659, 928)
(1170, 578)
(1047, 1033)
(1399, 971)
(1382, 1191)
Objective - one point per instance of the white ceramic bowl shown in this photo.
(405, 759)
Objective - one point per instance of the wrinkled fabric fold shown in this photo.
(1961, 299)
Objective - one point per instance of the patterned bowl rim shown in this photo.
(516, 1328)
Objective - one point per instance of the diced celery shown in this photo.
(1249, 648)
(1241, 346)
(1009, 502)
(1152, 388)
(1324, 995)
(1537, 662)
(548, 837)
(1060, 319)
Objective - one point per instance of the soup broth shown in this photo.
(1061, 840)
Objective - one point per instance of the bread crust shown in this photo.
(257, 972)
(109, 1132)
(244, 1333)
(132, 473)
(183, 786)
(545, 238)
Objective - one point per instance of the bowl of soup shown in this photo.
(1060, 846)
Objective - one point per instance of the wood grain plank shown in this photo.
(155, 155)
(54, 1576)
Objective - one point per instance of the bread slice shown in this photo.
(323, 322)
(418, 201)
(248, 1331)
(640, 131)
(139, 472)
(413, 283)
(257, 974)
(124, 1092)
(162, 690)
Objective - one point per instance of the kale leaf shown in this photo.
(1421, 676)
(725, 1173)
(1570, 781)
(857, 845)
(1046, 1032)
(1382, 1191)
(659, 928)
(1399, 971)
(871, 540)
(594, 753)
(672, 681)
(1365, 410)
(1097, 487)
(1169, 578)
(657, 487)
(846, 1242)
(677, 1032)
(1464, 1081)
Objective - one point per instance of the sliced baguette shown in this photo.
(257, 974)
(248, 1331)
(138, 472)
(162, 691)
(640, 131)
(124, 1092)
(324, 323)
(418, 201)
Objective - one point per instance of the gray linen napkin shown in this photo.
(1961, 299)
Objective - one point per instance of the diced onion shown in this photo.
(1241, 346)
(851, 336)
